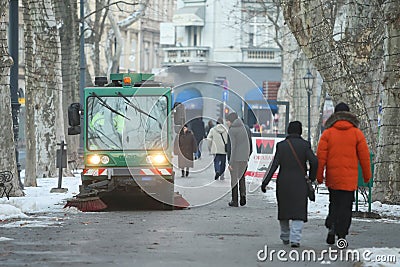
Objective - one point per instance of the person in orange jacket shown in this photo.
(341, 146)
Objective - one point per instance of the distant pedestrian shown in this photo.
(291, 187)
(239, 150)
(209, 126)
(217, 140)
(341, 146)
(198, 129)
(184, 147)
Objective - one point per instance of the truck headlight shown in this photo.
(94, 159)
(156, 159)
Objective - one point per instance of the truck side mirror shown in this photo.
(74, 118)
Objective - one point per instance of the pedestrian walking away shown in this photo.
(291, 185)
(209, 126)
(217, 139)
(198, 130)
(341, 146)
(184, 147)
(238, 154)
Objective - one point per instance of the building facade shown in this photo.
(230, 43)
(140, 44)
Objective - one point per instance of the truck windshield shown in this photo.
(126, 123)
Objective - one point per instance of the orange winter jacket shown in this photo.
(341, 147)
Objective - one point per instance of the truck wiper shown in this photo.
(138, 109)
(104, 104)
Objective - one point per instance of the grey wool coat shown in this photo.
(239, 142)
(291, 187)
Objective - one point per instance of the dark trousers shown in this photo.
(340, 211)
(197, 154)
(237, 178)
(220, 163)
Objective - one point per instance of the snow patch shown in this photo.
(8, 211)
(2, 238)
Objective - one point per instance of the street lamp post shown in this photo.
(13, 45)
(82, 63)
(308, 83)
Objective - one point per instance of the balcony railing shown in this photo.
(262, 55)
(177, 55)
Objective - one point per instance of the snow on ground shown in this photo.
(38, 200)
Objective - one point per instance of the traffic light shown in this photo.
(220, 109)
(226, 111)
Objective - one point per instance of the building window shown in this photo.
(251, 39)
(194, 34)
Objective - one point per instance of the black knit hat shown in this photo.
(342, 107)
(232, 117)
(294, 127)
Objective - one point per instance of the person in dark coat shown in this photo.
(291, 187)
(197, 126)
(209, 126)
(184, 147)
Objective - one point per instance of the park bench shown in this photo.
(5, 183)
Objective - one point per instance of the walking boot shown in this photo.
(187, 173)
(330, 239)
(294, 244)
(233, 204)
(183, 173)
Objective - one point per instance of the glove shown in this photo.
(263, 188)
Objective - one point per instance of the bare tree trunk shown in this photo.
(343, 63)
(98, 29)
(30, 129)
(350, 62)
(113, 64)
(115, 33)
(319, 125)
(294, 66)
(290, 52)
(43, 77)
(66, 13)
(387, 181)
(7, 145)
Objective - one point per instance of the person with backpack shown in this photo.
(217, 139)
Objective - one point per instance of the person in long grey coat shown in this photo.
(239, 151)
(184, 146)
(291, 187)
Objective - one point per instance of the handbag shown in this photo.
(310, 187)
(225, 144)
